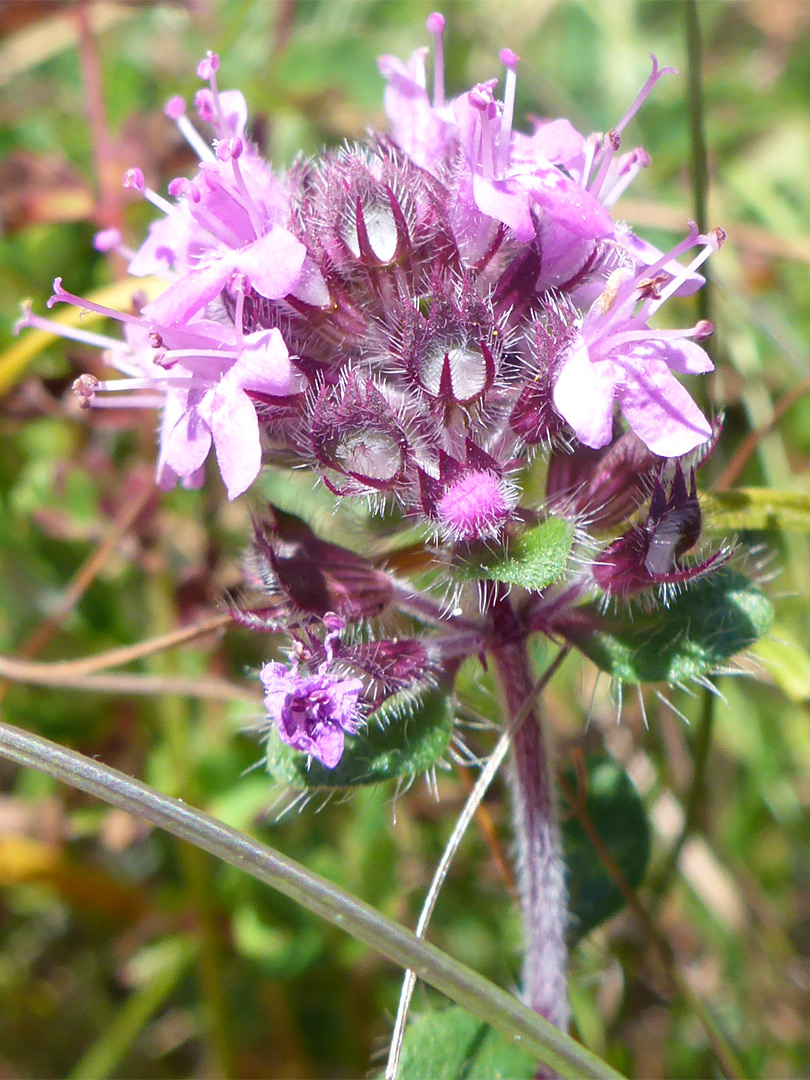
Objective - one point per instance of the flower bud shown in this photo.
(313, 576)
(649, 554)
(357, 434)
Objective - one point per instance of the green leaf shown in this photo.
(756, 508)
(534, 560)
(617, 812)
(400, 739)
(453, 1045)
(697, 634)
(787, 661)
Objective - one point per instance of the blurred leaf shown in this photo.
(756, 508)
(788, 661)
(617, 812)
(105, 1055)
(281, 951)
(401, 739)
(697, 634)
(452, 1044)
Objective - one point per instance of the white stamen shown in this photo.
(679, 279)
(194, 139)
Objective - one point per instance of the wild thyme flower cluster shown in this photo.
(416, 318)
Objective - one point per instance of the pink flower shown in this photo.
(617, 358)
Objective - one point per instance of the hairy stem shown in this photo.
(541, 877)
(470, 808)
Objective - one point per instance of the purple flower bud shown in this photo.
(470, 500)
(649, 554)
(390, 666)
(313, 576)
(354, 431)
(603, 487)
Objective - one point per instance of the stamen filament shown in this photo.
(435, 26)
(73, 333)
(194, 139)
(678, 280)
(61, 296)
(171, 382)
(510, 60)
(157, 201)
(135, 401)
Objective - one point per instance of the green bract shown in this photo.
(534, 560)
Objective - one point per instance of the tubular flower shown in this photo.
(313, 713)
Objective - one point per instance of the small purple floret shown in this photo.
(312, 713)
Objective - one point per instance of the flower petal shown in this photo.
(583, 395)
(569, 205)
(272, 263)
(661, 412)
(186, 437)
(235, 428)
(188, 294)
(264, 365)
(505, 201)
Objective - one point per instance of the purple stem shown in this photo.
(541, 873)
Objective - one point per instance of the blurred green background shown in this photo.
(124, 954)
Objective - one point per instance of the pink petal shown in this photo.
(557, 141)
(568, 204)
(234, 110)
(192, 291)
(235, 428)
(421, 131)
(686, 357)
(583, 395)
(679, 354)
(272, 263)
(264, 365)
(505, 201)
(661, 412)
(328, 745)
(166, 246)
(186, 440)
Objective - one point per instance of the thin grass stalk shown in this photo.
(514, 1020)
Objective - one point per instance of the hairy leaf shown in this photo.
(534, 560)
(453, 1045)
(695, 635)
